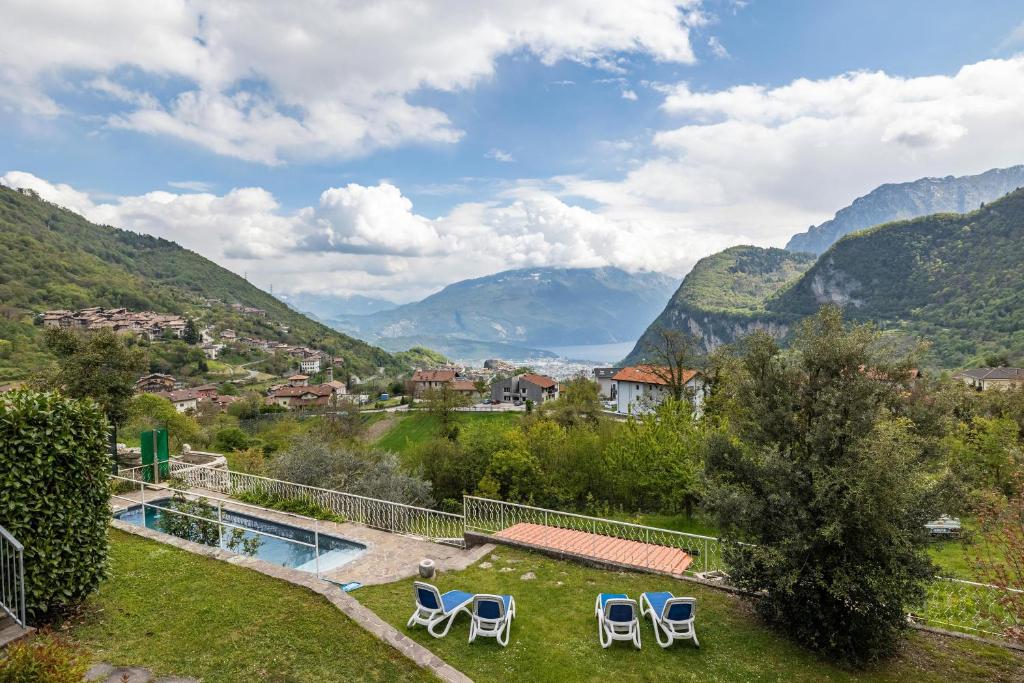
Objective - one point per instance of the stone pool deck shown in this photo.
(388, 557)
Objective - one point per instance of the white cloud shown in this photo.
(499, 155)
(629, 95)
(267, 82)
(717, 49)
(191, 185)
(757, 164)
(748, 164)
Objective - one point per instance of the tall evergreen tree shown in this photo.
(825, 481)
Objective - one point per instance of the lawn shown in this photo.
(416, 428)
(554, 636)
(183, 614)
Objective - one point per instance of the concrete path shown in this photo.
(108, 673)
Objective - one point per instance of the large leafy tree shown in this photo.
(443, 403)
(98, 365)
(824, 480)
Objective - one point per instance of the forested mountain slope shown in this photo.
(53, 258)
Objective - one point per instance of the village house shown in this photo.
(310, 364)
(291, 397)
(426, 380)
(206, 390)
(212, 350)
(992, 378)
(298, 380)
(640, 388)
(464, 387)
(605, 385)
(183, 400)
(525, 387)
(229, 335)
(154, 382)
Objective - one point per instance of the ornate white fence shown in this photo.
(433, 525)
(491, 516)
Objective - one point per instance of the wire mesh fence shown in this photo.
(971, 607)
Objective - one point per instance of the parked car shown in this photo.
(517, 402)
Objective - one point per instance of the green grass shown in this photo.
(554, 636)
(183, 614)
(416, 428)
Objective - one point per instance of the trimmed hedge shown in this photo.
(54, 496)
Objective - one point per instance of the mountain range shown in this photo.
(54, 258)
(520, 311)
(898, 201)
(955, 279)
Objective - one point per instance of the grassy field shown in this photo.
(415, 428)
(554, 636)
(182, 614)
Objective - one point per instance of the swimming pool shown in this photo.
(283, 551)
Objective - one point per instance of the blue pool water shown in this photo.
(334, 551)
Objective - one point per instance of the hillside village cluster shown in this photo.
(624, 390)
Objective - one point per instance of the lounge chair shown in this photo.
(432, 608)
(671, 617)
(492, 616)
(617, 619)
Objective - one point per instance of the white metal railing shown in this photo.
(219, 519)
(961, 605)
(12, 577)
(491, 516)
(410, 520)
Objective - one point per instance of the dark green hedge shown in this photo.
(54, 494)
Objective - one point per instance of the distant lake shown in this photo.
(598, 353)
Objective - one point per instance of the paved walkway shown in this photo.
(619, 551)
(108, 673)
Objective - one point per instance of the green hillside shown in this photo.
(724, 296)
(53, 258)
(955, 279)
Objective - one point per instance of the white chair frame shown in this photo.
(667, 631)
(432, 617)
(608, 630)
(499, 628)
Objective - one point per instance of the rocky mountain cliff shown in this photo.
(723, 298)
(900, 201)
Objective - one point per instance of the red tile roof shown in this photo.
(463, 385)
(433, 376)
(542, 381)
(647, 374)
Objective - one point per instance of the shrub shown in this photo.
(312, 461)
(44, 659)
(54, 494)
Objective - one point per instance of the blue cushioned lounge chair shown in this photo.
(617, 619)
(672, 617)
(492, 616)
(432, 608)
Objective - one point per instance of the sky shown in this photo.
(390, 148)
